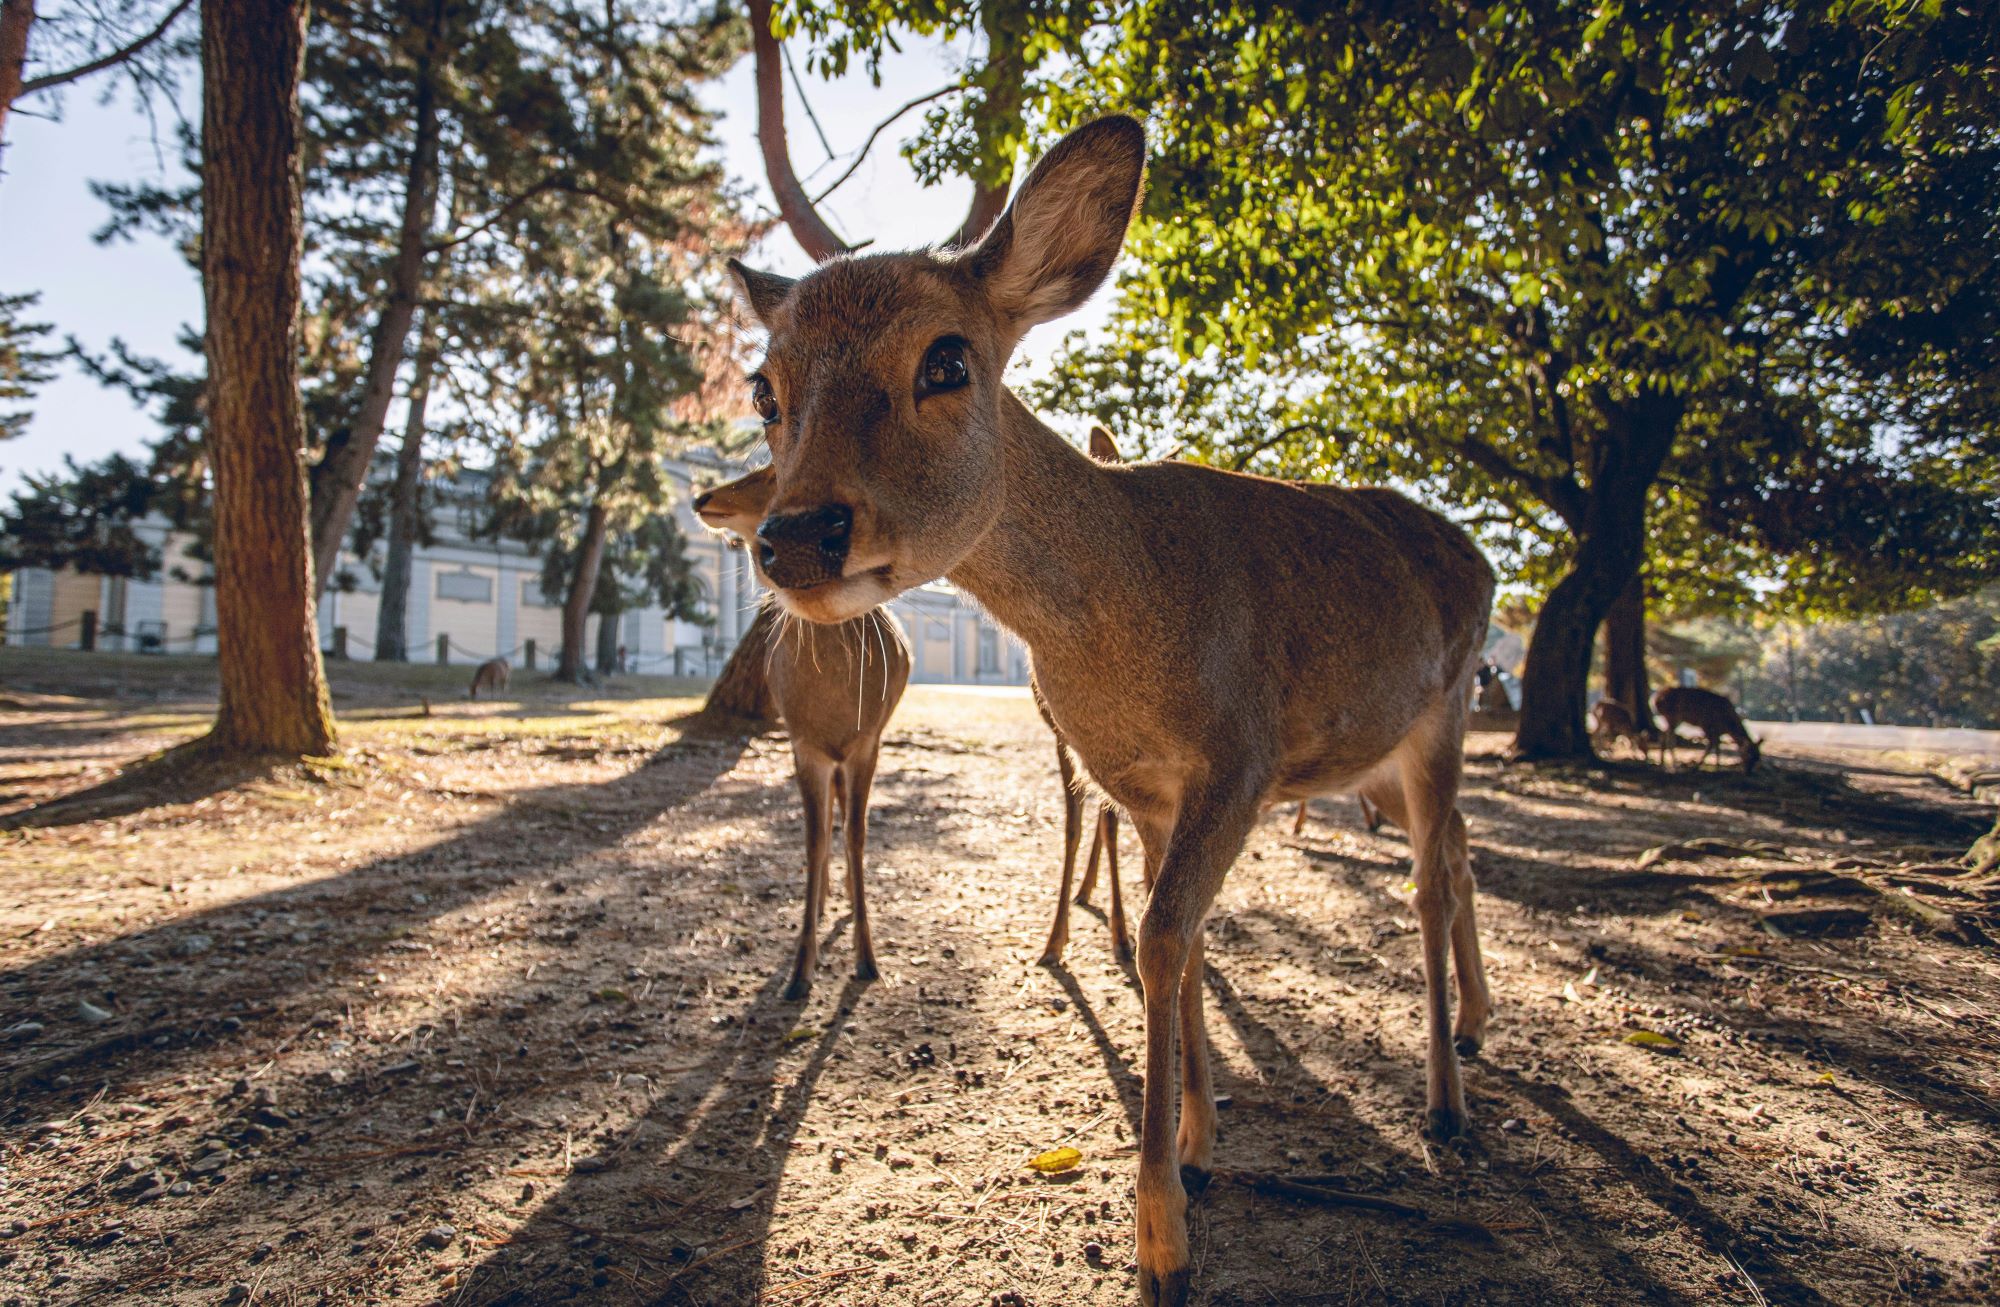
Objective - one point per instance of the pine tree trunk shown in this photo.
(343, 466)
(1611, 545)
(576, 604)
(607, 643)
(1625, 678)
(274, 698)
(742, 690)
(17, 17)
(392, 617)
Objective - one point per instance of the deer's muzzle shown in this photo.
(802, 549)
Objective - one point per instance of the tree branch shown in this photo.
(881, 127)
(1563, 496)
(794, 205)
(1002, 109)
(119, 56)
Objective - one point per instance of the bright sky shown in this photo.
(144, 293)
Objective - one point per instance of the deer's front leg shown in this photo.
(1206, 838)
(816, 791)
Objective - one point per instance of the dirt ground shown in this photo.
(488, 1012)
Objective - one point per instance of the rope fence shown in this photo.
(116, 638)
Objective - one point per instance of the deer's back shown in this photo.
(1698, 707)
(1328, 619)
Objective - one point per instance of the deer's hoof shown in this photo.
(864, 969)
(1443, 1124)
(1467, 1046)
(1194, 1179)
(798, 989)
(1165, 1288)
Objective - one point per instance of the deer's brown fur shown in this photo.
(836, 688)
(1612, 721)
(1713, 714)
(490, 676)
(1207, 642)
(1104, 837)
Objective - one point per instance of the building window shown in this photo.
(532, 596)
(466, 587)
(989, 651)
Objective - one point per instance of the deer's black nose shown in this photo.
(805, 548)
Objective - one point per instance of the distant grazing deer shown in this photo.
(1713, 715)
(1206, 642)
(490, 677)
(1612, 721)
(1105, 838)
(835, 688)
(1371, 816)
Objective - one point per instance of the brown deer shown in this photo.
(491, 676)
(1371, 816)
(835, 688)
(1612, 721)
(1104, 839)
(1713, 714)
(1207, 642)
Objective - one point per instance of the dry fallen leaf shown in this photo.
(1654, 1040)
(1055, 1161)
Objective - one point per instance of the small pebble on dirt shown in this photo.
(238, 1292)
(438, 1236)
(91, 1014)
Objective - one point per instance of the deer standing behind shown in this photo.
(1713, 714)
(836, 688)
(1104, 839)
(491, 676)
(1207, 642)
(1612, 721)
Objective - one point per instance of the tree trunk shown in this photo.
(1984, 856)
(582, 586)
(741, 690)
(343, 466)
(607, 643)
(1625, 678)
(274, 697)
(391, 618)
(17, 17)
(1611, 541)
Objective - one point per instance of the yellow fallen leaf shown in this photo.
(800, 1034)
(1055, 1161)
(1653, 1039)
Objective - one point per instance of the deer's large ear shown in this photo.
(1056, 243)
(1102, 447)
(762, 291)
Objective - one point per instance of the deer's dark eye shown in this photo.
(764, 400)
(944, 367)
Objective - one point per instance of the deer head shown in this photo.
(881, 389)
(736, 506)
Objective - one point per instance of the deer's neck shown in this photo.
(1060, 532)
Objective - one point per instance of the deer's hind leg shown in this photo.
(1429, 765)
(815, 776)
(1475, 999)
(858, 777)
(1107, 831)
(1072, 836)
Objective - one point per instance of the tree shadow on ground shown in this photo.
(180, 1013)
